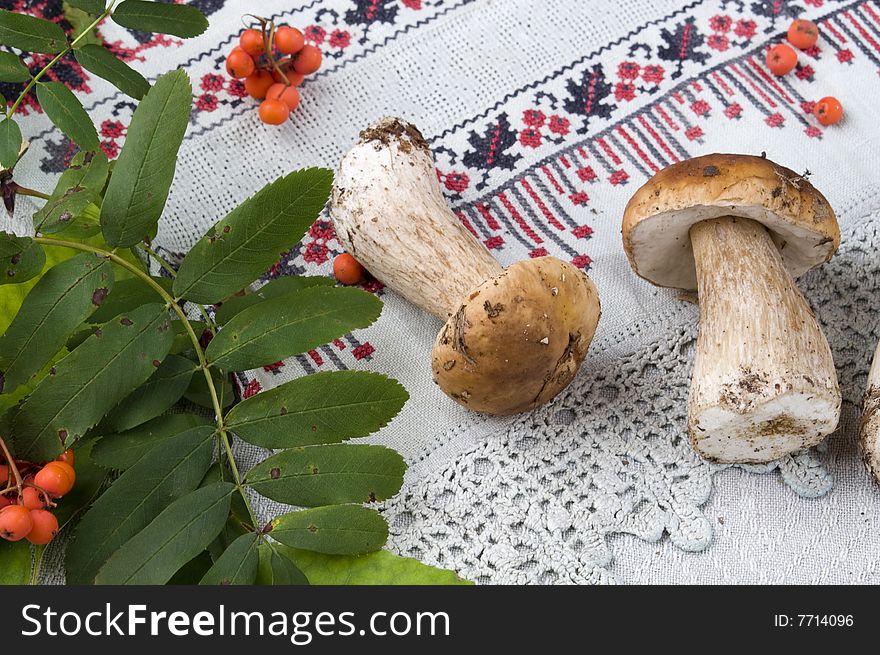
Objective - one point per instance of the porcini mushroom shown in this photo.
(870, 428)
(739, 229)
(513, 338)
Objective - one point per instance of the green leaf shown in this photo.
(243, 246)
(16, 562)
(316, 409)
(31, 34)
(193, 571)
(21, 259)
(379, 568)
(182, 341)
(276, 568)
(80, 21)
(122, 451)
(128, 295)
(11, 68)
(90, 381)
(168, 470)
(164, 388)
(10, 142)
(78, 187)
(199, 394)
(272, 289)
(105, 64)
(184, 21)
(142, 178)
(67, 113)
(94, 7)
(62, 299)
(179, 533)
(289, 325)
(238, 563)
(329, 475)
(335, 530)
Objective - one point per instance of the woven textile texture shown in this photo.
(544, 118)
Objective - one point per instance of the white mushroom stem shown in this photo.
(870, 430)
(764, 382)
(390, 214)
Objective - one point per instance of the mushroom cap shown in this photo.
(519, 338)
(658, 218)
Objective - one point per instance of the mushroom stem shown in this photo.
(764, 382)
(870, 428)
(390, 214)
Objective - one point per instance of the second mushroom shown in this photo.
(513, 338)
(739, 229)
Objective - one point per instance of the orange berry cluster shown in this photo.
(782, 58)
(273, 62)
(25, 506)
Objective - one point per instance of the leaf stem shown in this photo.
(36, 78)
(197, 346)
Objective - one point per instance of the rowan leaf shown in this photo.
(184, 21)
(198, 391)
(126, 296)
(180, 532)
(62, 299)
(94, 7)
(16, 562)
(90, 381)
(329, 475)
(103, 63)
(317, 409)
(168, 470)
(21, 259)
(142, 178)
(12, 69)
(67, 113)
(238, 563)
(30, 33)
(288, 325)
(164, 388)
(276, 568)
(122, 451)
(77, 188)
(10, 142)
(242, 246)
(278, 287)
(335, 530)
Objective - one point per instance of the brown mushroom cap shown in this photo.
(658, 218)
(519, 338)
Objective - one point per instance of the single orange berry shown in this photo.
(45, 527)
(781, 59)
(15, 523)
(33, 499)
(56, 478)
(258, 83)
(803, 34)
(286, 94)
(251, 41)
(239, 63)
(273, 112)
(289, 40)
(347, 269)
(828, 110)
(66, 456)
(308, 60)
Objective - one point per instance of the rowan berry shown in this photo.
(44, 528)
(4, 502)
(294, 78)
(56, 478)
(66, 456)
(258, 83)
(15, 523)
(781, 59)
(828, 110)
(803, 34)
(251, 41)
(289, 40)
(239, 63)
(347, 269)
(308, 60)
(274, 112)
(287, 94)
(33, 499)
